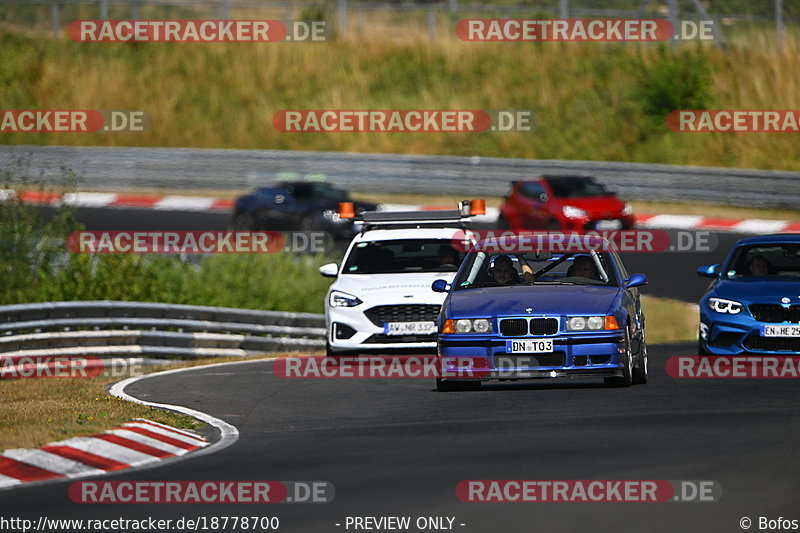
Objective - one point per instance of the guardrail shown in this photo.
(114, 168)
(127, 329)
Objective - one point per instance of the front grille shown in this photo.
(381, 314)
(726, 338)
(772, 344)
(544, 326)
(505, 360)
(517, 327)
(381, 338)
(514, 327)
(775, 313)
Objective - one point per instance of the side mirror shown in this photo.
(331, 270)
(440, 285)
(636, 280)
(709, 271)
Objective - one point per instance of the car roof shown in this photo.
(769, 239)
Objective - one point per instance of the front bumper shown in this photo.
(349, 330)
(740, 334)
(574, 355)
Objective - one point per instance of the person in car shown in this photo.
(504, 273)
(759, 266)
(583, 267)
(447, 256)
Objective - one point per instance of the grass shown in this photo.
(668, 320)
(591, 100)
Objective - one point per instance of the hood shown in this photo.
(762, 290)
(393, 288)
(544, 299)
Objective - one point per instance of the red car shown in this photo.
(565, 203)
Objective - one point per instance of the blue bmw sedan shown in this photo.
(753, 304)
(536, 313)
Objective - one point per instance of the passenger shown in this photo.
(759, 266)
(583, 267)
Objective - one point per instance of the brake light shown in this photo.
(611, 323)
(448, 327)
(477, 207)
(346, 210)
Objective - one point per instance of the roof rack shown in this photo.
(413, 219)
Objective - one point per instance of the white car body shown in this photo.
(401, 298)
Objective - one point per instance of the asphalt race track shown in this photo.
(399, 448)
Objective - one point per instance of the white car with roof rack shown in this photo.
(382, 298)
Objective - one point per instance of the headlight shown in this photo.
(342, 299)
(332, 216)
(627, 210)
(570, 211)
(721, 305)
(469, 325)
(583, 323)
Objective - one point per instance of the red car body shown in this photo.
(564, 203)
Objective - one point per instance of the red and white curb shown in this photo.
(201, 203)
(136, 443)
(102, 199)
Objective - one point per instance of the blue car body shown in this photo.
(540, 310)
(755, 314)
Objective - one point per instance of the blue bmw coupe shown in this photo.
(753, 304)
(540, 314)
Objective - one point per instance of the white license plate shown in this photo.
(530, 346)
(409, 328)
(780, 331)
(608, 224)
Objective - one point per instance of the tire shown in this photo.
(700, 350)
(553, 225)
(244, 222)
(626, 380)
(453, 386)
(502, 223)
(640, 372)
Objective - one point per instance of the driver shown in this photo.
(504, 273)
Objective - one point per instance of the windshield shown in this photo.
(576, 187)
(765, 260)
(403, 255)
(482, 269)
